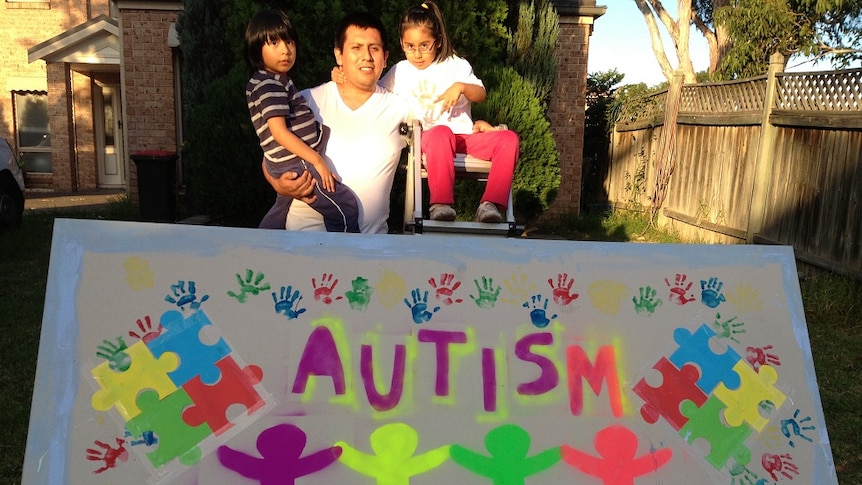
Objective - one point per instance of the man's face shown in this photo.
(362, 59)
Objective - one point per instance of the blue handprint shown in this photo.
(710, 292)
(538, 314)
(420, 306)
(285, 304)
(181, 297)
(795, 427)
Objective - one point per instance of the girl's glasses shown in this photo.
(423, 48)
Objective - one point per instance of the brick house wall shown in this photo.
(148, 84)
(23, 25)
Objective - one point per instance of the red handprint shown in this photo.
(758, 356)
(324, 291)
(779, 463)
(446, 288)
(679, 290)
(563, 294)
(108, 454)
(148, 333)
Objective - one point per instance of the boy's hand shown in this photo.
(337, 75)
(481, 126)
(327, 178)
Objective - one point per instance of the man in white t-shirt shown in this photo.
(364, 120)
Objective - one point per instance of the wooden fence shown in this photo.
(775, 159)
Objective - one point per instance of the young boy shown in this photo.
(289, 135)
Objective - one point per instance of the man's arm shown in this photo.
(290, 184)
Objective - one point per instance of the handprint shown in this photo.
(519, 287)
(740, 475)
(148, 438)
(647, 303)
(419, 307)
(745, 298)
(148, 333)
(538, 314)
(108, 454)
(710, 292)
(251, 285)
(181, 297)
(446, 288)
(792, 427)
(563, 294)
(758, 356)
(115, 354)
(360, 295)
(679, 292)
(324, 291)
(286, 303)
(728, 328)
(779, 463)
(488, 293)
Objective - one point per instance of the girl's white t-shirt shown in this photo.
(422, 86)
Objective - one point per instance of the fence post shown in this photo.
(765, 152)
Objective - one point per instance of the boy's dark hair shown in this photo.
(362, 20)
(266, 26)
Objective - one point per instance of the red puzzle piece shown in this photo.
(236, 386)
(677, 386)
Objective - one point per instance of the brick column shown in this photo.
(62, 132)
(568, 100)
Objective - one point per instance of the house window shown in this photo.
(31, 130)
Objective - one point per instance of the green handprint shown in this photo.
(115, 354)
(488, 293)
(647, 303)
(251, 285)
(360, 295)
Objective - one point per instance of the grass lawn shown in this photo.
(832, 309)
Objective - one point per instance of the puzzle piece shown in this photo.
(743, 404)
(164, 417)
(714, 368)
(677, 386)
(236, 386)
(182, 337)
(120, 389)
(725, 442)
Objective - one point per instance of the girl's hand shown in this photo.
(481, 126)
(450, 96)
(337, 75)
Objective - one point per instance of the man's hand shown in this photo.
(290, 184)
(481, 126)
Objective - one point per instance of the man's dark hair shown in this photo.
(362, 20)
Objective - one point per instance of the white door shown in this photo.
(109, 138)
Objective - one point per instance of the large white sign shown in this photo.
(202, 355)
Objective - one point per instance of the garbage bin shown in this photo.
(157, 175)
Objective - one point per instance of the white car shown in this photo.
(11, 188)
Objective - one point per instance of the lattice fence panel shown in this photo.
(728, 97)
(815, 91)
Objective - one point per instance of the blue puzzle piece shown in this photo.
(714, 368)
(182, 337)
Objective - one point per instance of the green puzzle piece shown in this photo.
(725, 442)
(164, 417)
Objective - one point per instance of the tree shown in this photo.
(742, 34)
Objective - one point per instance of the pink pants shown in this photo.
(439, 145)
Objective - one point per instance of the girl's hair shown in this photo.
(428, 15)
(266, 26)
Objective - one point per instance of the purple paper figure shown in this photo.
(280, 447)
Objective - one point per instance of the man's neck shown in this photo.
(354, 98)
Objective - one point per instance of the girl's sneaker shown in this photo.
(488, 212)
(441, 212)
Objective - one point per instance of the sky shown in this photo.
(621, 41)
